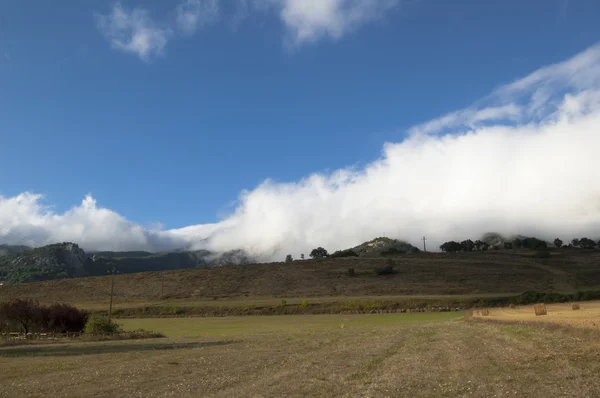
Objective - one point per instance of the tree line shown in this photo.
(519, 243)
(24, 315)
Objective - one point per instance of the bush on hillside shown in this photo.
(101, 325)
(392, 251)
(344, 253)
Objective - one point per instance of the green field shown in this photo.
(249, 325)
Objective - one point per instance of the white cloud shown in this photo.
(305, 21)
(133, 31)
(192, 14)
(310, 20)
(511, 163)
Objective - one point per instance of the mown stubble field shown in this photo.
(371, 355)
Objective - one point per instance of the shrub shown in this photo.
(351, 272)
(101, 325)
(63, 318)
(304, 304)
(542, 254)
(282, 303)
(392, 252)
(512, 307)
(288, 258)
(387, 270)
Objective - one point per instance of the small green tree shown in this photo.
(558, 243)
(302, 256)
(575, 242)
(288, 258)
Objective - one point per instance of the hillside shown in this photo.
(379, 247)
(417, 274)
(68, 260)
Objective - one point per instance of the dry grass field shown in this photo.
(322, 355)
(424, 274)
(588, 316)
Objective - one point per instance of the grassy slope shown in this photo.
(418, 274)
(372, 357)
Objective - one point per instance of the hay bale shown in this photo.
(540, 309)
(575, 306)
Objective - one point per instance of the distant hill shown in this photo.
(68, 260)
(61, 260)
(381, 247)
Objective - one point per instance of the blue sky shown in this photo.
(273, 89)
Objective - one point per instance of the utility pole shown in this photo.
(424, 245)
(113, 271)
(162, 285)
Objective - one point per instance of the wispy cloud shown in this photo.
(304, 21)
(192, 14)
(308, 21)
(514, 162)
(133, 31)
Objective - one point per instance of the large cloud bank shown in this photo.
(522, 160)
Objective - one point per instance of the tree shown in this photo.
(587, 243)
(467, 245)
(318, 253)
(575, 242)
(558, 243)
(288, 258)
(534, 244)
(481, 245)
(26, 313)
(451, 247)
(302, 256)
